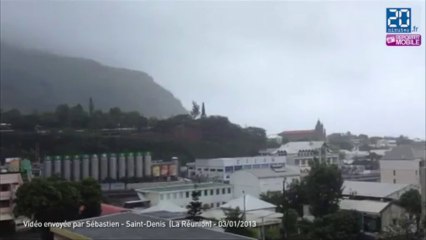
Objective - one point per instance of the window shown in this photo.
(187, 194)
(220, 170)
(5, 187)
(168, 196)
(211, 192)
(223, 190)
(174, 195)
(217, 191)
(394, 172)
(212, 170)
(417, 173)
(180, 194)
(4, 203)
(229, 190)
(205, 192)
(217, 204)
(229, 169)
(238, 168)
(212, 205)
(206, 169)
(394, 180)
(161, 196)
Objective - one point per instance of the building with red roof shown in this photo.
(317, 134)
(111, 209)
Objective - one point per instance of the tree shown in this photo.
(323, 189)
(91, 106)
(57, 200)
(234, 216)
(341, 225)
(289, 223)
(62, 115)
(48, 200)
(411, 201)
(194, 207)
(195, 112)
(91, 197)
(203, 111)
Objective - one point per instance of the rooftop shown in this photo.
(365, 206)
(110, 209)
(123, 232)
(373, 189)
(295, 147)
(271, 173)
(251, 204)
(406, 152)
(182, 187)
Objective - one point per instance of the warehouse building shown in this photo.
(212, 194)
(221, 168)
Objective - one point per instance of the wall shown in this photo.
(182, 198)
(391, 212)
(406, 171)
(247, 182)
(250, 184)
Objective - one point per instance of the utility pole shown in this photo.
(244, 205)
(284, 221)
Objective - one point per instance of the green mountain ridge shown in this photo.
(32, 80)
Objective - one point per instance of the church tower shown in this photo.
(320, 131)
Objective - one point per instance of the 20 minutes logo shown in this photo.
(398, 22)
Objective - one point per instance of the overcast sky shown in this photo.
(277, 65)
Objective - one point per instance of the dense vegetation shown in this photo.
(73, 130)
(57, 200)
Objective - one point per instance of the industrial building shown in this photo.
(109, 167)
(221, 168)
(212, 194)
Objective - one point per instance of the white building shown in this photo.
(385, 143)
(257, 181)
(402, 164)
(212, 194)
(222, 168)
(9, 184)
(302, 153)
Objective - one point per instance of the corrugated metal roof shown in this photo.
(365, 206)
(373, 189)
